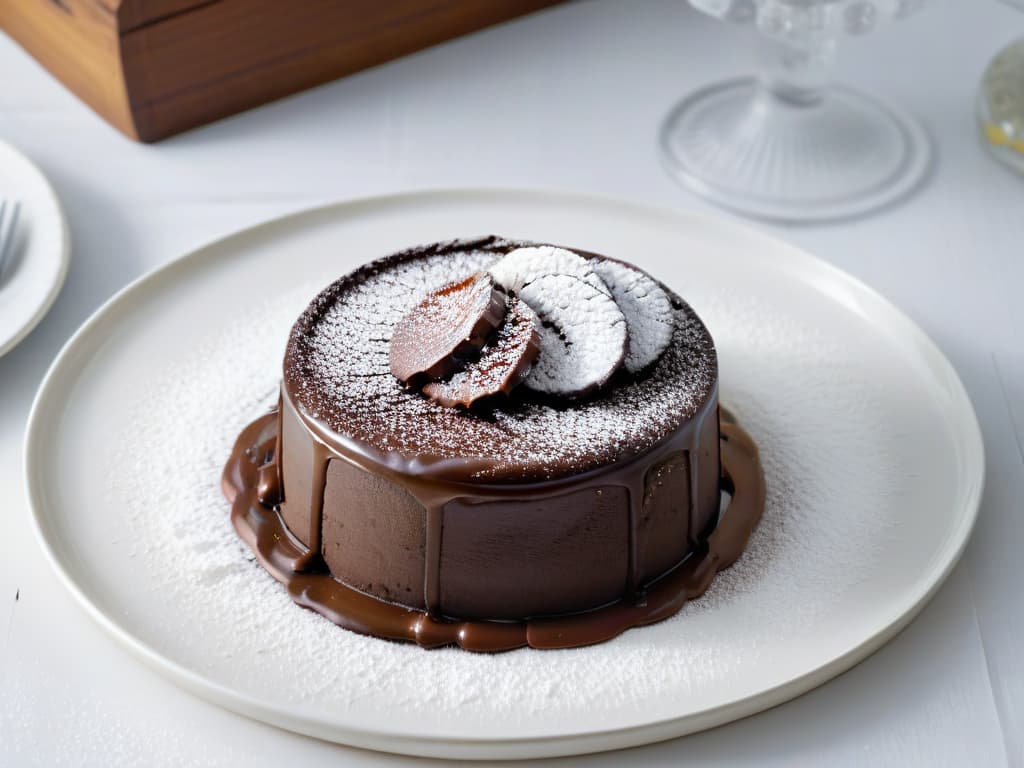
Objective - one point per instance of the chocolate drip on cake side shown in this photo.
(636, 486)
(262, 528)
(635, 489)
(697, 528)
(322, 456)
(434, 519)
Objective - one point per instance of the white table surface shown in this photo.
(569, 98)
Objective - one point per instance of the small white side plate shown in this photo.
(33, 278)
(872, 451)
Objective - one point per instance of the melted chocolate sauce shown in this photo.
(252, 483)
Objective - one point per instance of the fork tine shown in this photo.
(15, 212)
(3, 239)
(8, 221)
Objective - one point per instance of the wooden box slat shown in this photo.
(132, 15)
(154, 68)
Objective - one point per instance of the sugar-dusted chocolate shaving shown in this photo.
(649, 317)
(582, 335)
(451, 323)
(503, 363)
(522, 266)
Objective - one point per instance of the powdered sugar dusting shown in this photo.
(831, 473)
(582, 335)
(646, 308)
(337, 370)
(522, 266)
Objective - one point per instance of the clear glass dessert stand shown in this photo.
(784, 145)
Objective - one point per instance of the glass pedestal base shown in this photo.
(841, 156)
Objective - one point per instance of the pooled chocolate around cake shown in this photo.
(465, 485)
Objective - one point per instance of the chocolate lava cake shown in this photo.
(494, 443)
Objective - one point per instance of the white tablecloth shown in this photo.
(569, 98)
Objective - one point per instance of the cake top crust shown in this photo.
(337, 376)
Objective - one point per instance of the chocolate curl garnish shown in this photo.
(502, 365)
(582, 335)
(449, 325)
(650, 320)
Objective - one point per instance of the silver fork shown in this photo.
(8, 224)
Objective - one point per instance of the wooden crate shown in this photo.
(154, 68)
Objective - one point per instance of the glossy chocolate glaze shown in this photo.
(252, 482)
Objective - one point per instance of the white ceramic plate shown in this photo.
(31, 281)
(873, 456)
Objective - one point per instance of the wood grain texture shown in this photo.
(154, 68)
(234, 54)
(132, 14)
(78, 42)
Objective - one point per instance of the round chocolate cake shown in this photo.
(494, 444)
